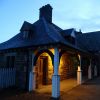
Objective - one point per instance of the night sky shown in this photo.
(78, 14)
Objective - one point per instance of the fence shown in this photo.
(7, 77)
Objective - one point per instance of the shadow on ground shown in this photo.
(17, 94)
(9, 92)
(92, 82)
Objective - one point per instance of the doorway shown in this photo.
(42, 72)
(44, 67)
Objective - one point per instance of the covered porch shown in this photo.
(57, 85)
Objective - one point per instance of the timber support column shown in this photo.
(32, 81)
(79, 72)
(90, 70)
(56, 77)
(95, 71)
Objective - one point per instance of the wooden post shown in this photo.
(32, 76)
(90, 70)
(95, 70)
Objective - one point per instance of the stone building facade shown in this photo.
(42, 53)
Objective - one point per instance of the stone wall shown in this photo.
(21, 69)
(2, 61)
(20, 64)
(67, 68)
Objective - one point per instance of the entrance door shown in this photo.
(44, 69)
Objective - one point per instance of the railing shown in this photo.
(7, 77)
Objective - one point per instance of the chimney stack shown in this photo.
(46, 12)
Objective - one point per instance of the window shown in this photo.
(10, 61)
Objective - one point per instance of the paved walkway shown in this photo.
(87, 91)
(65, 85)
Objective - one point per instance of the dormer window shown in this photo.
(69, 35)
(25, 34)
(73, 34)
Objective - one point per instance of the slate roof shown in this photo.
(89, 41)
(43, 33)
(26, 26)
(67, 32)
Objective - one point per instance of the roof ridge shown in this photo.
(45, 24)
(47, 29)
(91, 32)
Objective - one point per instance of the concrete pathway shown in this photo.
(87, 91)
(65, 86)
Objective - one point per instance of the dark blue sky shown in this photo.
(79, 14)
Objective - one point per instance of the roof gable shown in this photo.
(26, 26)
(68, 32)
(73, 34)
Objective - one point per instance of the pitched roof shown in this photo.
(26, 26)
(67, 32)
(44, 29)
(43, 33)
(89, 41)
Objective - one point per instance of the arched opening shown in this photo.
(85, 64)
(43, 51)
(43, 68)
(68, 65)
(68, 70)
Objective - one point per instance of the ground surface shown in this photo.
(87, 91)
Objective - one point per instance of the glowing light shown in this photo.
(52, 50)
(79, 69)
(79, 56)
